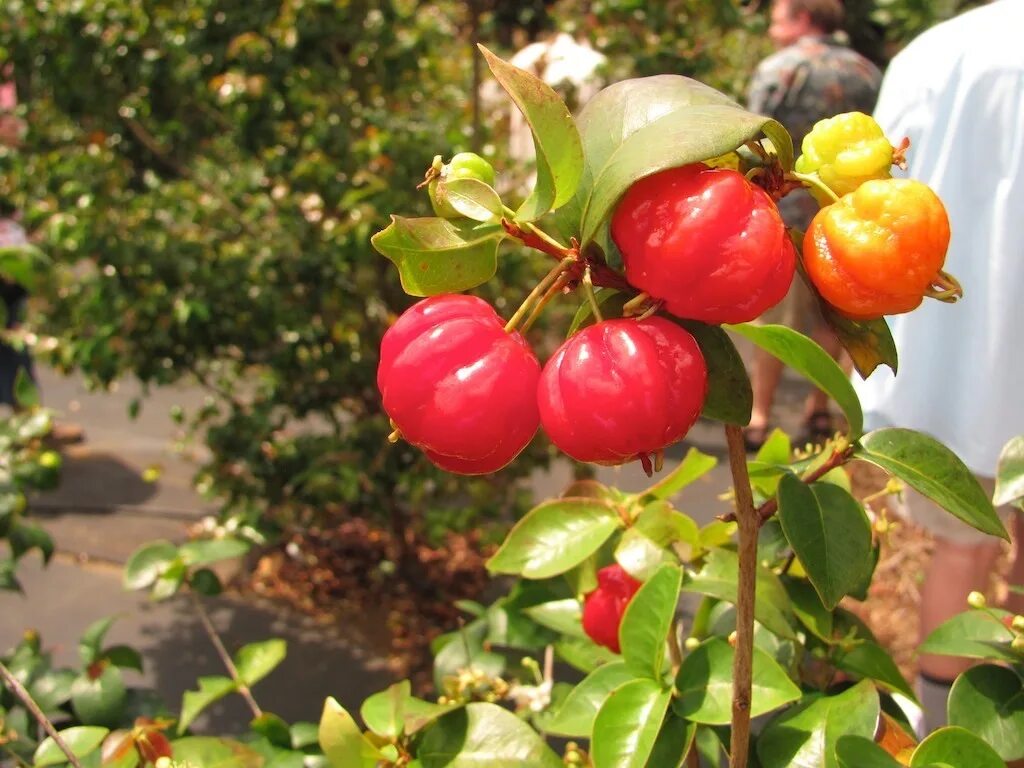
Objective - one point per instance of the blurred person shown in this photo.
(813, 75)
(14, 295)
(957, 91)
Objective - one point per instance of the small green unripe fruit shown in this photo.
(976, 600)
(465, 165)
(1017, 624)
(50, 460)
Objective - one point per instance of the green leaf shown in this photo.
(81, 740)
(575, 717)
(810, 360)
(693, 467)
(777, 449)
(868, 342)
(647, 620)
(808, 608)
(205, 582)
(988, 701)
(555, 138)
(437, 256)
(26, 393)
(90, 644)
(868, 659)
(419, 713)
(583, 654)
(211, 689)
(100, 700)
(257, 660)
(273, 729)
(585, 312)
(465, 648)
(24, 538)
(805, 735)
(206, 551)
(627, 725)
(51, 689)
(340, 738)
(147, 563)
(974, 634)
(705, 682)
(304, 735)
(929, 467)
(859, 752)
(170, 580)
(554, 537)
(830, 533)
(484, 736)
(384, 712)
(718, 579)
(957, 748)
(472, 198)
(646, 544)
(562, 616)
(674, 741)
(213, 752)
(729, 397)
(23, 264)
(1010, 473)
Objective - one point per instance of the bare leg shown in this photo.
(817, 400)
(1015, 601)
(764, 379)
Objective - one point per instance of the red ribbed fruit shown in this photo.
(604, 607)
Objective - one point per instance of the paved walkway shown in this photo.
(104, 510)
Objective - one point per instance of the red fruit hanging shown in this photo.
(458, 386)
(604, 607)
(622, 389)
(707, 242)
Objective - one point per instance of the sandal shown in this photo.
(755, 437)
(818, 427)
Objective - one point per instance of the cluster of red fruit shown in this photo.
(705, 243)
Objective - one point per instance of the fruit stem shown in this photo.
(945, 288)
(549, 294)
(812, 180)
(395, 436)
(538, 291)
(632, 307)
(742, 671)
(535, 237)
(588, 289)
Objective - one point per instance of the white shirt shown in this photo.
(958, 92)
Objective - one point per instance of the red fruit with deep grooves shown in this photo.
(604, 607)
(458, 386)
(706, 241)
(622, 389)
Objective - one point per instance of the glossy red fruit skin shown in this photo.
(706, 241)
(621, 389)
(604, 607)
(458, 386)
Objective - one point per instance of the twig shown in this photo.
(12, 682)
(539, 290)
(742, 671)
(225, 657)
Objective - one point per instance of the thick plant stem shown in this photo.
(19, 691)
(749, 523)
(225, 657)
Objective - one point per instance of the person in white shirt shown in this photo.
(957, 92)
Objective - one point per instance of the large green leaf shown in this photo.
(206, 551)
(384, 712)
(645, 545)
(554, 537)
(211, 689)
(705, 683)
(718, 579)
(957, 748)
(575, 717)
(830, 533)
(563, 616)
(730, 396)
(583, 654)
(860, 752)
(437, 256)
(90, 644)
(808, 608)
(929, 467)
(868, 659)
(472, 198)
(975, 634)
(693, 467)
(988, 701)
(484, 736)
(1010, 473)
(627, 725)
(810, 360)
(646, 622)
(213, 752)
(81, 740)
(147, 563)
(805, 736)
(555, 138)
(23, 538)
(673, 744)
(257, 660)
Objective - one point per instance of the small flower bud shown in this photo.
(691, 644)
(976, 600)
(732, 638)
(1018, 623)
(1018, 644)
